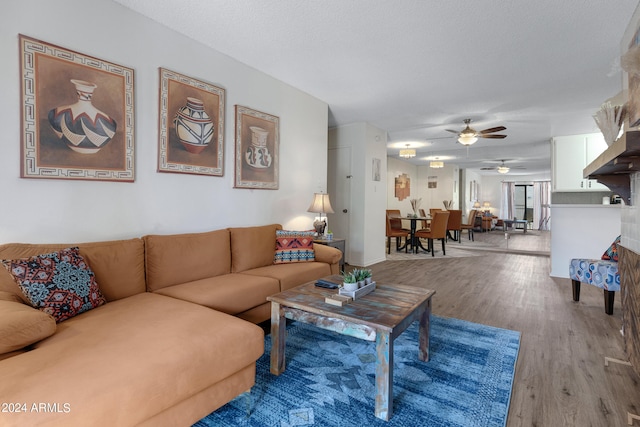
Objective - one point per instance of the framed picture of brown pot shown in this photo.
(257, 145)
(191, 125)
(77, 115)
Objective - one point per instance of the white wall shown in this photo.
(586, 231)
(366, 236)
(42, 210)
(446, 177)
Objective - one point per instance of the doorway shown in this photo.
(523, 202)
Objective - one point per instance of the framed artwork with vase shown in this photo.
(191, 125)
(257, 146)
(77, 115)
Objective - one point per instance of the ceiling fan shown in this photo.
(502, 168)
(469, 136)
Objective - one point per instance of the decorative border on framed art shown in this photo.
(77, 115)
(257, 149)
(191, 125)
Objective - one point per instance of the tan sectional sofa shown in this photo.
(175, 341)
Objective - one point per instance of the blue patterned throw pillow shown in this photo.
(59, 283)
(294, 246)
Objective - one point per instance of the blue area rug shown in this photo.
(330, 380)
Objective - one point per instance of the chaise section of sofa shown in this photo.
(140, 359)
(133, 360)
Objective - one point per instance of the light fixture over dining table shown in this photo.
(407, 153)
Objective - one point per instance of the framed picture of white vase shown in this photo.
(191, 125)
(77, 115)
(257, 146)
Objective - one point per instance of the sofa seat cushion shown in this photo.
(126, 361)
(600, 273)
(292, 275)
(230, 293)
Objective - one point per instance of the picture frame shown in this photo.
(402, 186)
(375, 169)
(190, 125)
(257, 141)
(77, 115)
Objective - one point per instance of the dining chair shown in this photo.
(397, 233)
(438, 230)
(396, 223)
(424, 222)
(470, 224)
(455, 224)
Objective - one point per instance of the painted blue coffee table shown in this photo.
(380, 316)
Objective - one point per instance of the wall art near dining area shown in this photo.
(402, 186)
(257, 146)
(77, 115)
(191, 125)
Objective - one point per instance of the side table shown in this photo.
(334, 243)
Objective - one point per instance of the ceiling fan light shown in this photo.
(407, 153)
(467, 139)
(503, 169)
(436, 164)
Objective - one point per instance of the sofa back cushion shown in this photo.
(180, 258)
(252, 247)
(118, 265)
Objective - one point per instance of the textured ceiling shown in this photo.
(415, 67)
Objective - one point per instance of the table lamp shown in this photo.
(322, 206)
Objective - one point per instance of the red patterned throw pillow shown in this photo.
(612, 251)
(59, 283)
(294, 246)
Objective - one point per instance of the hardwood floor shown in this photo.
(560, 375)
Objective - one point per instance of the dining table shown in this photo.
(413, 241)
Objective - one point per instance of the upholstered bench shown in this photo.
(602, 273)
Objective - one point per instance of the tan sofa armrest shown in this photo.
(327, 254)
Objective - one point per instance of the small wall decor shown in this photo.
(191, 125)
(77, 115)
(474, 191)
(257, 146)
(375, 169)
(402, 187)
(432, 181)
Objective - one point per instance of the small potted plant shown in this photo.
(361, 274)
(368, 276)
(349, 282)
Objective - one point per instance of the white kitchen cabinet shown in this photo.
(571, 154)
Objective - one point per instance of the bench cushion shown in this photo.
(600, 273)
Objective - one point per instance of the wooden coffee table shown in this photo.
(380, 316)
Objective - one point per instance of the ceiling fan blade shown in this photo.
(492, 130)
(492, 136)
(488, 169)
(453, 131)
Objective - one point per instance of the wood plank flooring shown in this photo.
(560, 376)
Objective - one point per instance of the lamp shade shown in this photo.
(436, 164)
(467, 139)
(476, 204)
(486, 205)
(320, 204)
(503, 169)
